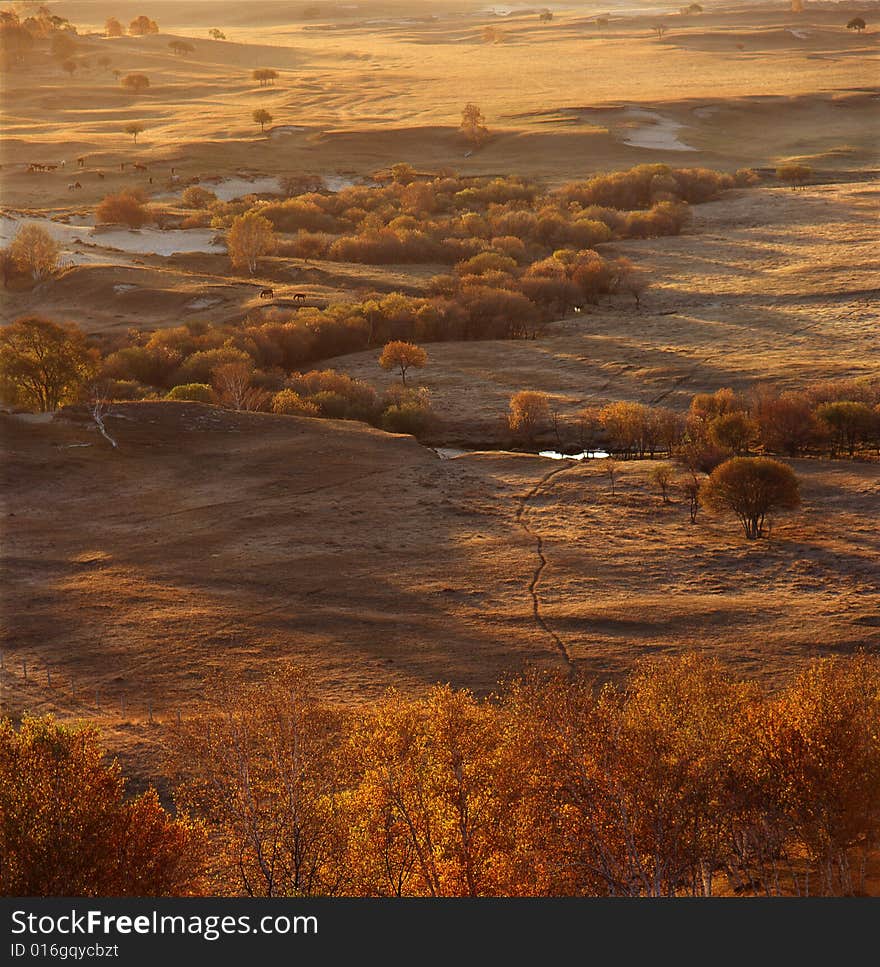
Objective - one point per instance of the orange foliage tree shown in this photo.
(66, 828)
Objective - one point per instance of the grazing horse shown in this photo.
(299, 297)
(100, 174)
(80, 162)
(267, 293)
(73, 185)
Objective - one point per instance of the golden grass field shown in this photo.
(212, 540)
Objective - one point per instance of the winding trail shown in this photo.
(522, 520)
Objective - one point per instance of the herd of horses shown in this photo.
(35, 167)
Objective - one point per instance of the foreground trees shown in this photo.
(42, 364)
(752, 488)
(66, 828)
(680, 782)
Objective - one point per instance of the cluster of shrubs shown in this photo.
(446, 218)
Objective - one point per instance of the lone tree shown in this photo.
(262, 117)
(856, 24)
(473, 124)
(545, 16)
(113, 28)
(69, 829)
(265, 75)
(42, 364)
(795, 174)
(137, 83)
(752, 488)
(33, 250)
(181, 47)
(134, 128)
(402, 356)
(70, 66)
(659, 30)
(216, 34)
(249, 237)
(528, 413)
(104, 62)
(141, 26)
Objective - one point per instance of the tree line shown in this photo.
(681, 780)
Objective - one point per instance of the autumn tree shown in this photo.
(265, 75)
(70, 66)
(473, 124)
(260, 771)
(181, 47)
(250, 236)
(796, 174)
(402, 356)
(33, 250)
(857, 24)
(124, 208)
(752, 488)
(662, 476)
(68, 829)
(134, 128)
(848, 424)
(233, 383)
(113, 28)
(262, 117)
(141, 26)
(216, 34)
(43, 364)
(735, 431)
(528, 413)
(136, 83)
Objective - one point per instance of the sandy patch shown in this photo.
(655, 131)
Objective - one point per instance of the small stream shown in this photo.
(450, 453)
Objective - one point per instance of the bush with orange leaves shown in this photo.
(66, 828)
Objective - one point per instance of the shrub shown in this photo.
(528, 414)
(751, 488)
(197, 197)
(124, 208)
(794, 173)
(192, 392)
(292, 404)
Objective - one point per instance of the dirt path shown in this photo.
(522, 520)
